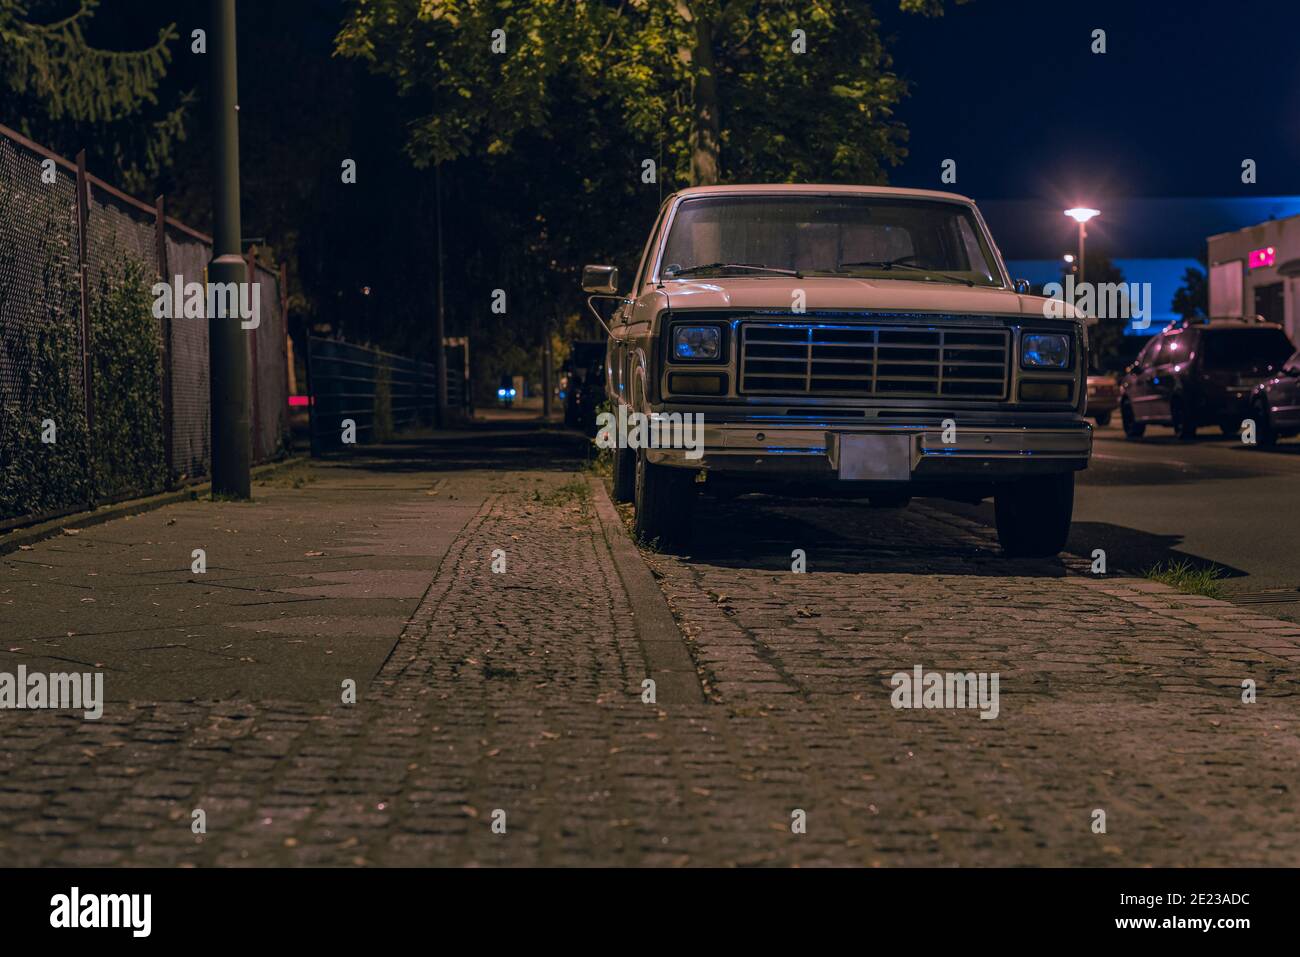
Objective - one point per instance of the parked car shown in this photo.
(1103, 396)
(862, 339)
(585, 369)
(1275, 405)
(1201, 374)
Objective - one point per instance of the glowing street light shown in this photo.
(1081, 215)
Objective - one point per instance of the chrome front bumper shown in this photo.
(816, 452)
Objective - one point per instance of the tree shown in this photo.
(807, 83)
(547, 118)
(1192, 299)
(1106, 335)
(68, 93)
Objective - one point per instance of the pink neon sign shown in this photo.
(1260, 258)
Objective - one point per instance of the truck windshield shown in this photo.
(884, 238)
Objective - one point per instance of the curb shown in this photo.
(31, 534)
(667, 660)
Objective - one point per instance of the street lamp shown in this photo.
(1081, 215)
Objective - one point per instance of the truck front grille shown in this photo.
(861, 360)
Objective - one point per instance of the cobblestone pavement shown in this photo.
(520, 692)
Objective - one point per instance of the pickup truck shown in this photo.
(843, 340)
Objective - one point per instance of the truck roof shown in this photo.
(816, 188)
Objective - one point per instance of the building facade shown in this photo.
(1256, 272)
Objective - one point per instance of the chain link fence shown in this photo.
(99, 399)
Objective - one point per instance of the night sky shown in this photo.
(1185, 92)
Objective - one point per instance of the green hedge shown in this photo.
(128, 437)
(40, 333)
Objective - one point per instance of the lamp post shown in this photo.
(227, 347)
(1081, 215)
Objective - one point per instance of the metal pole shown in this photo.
(160, 238)
(546, 373)
(87, 337)
(311, 398)
(254, 373)
(440, 320)
(1083, 234)
(227, 344)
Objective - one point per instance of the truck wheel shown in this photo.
(624, 475)
(665, 500)
(1033, 515)
(1102, 418)
(1132, 428)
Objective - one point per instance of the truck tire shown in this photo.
(665, 501)
(624, 475)
(1033, 515)
(1102, 418)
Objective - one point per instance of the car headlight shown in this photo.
(1043, 350)
(697, 342)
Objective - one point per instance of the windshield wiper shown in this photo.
(901, 263)
(752, 267)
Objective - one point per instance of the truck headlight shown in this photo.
(1042, 350)
(697, 342)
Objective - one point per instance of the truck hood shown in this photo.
(879, 295)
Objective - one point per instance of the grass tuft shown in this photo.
(574, 492)
(1188, 578)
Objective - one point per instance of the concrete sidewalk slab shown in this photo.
(348, 545)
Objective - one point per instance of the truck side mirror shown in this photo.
(600, 280)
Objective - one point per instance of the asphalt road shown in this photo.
(1210, 501)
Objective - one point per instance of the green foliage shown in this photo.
(40, 334)
(128, 440)
(63, 91)
(1189, 578)
(440, 53)
(825, 114)
(573, 492)
(696, 70)
(926, 8)
(1192, 298)
(585, 92)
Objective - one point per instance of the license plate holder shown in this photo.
(875, 458)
